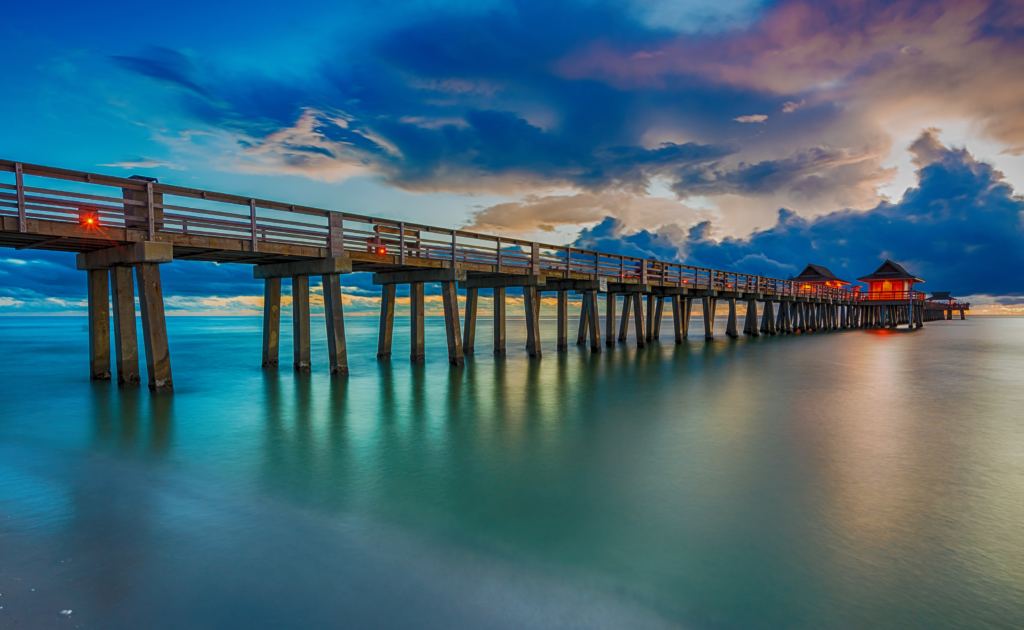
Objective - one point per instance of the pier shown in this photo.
(116, 225)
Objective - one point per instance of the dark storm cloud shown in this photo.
(961, 229)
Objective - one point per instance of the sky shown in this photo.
(750, 136)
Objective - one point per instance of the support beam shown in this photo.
(730, 327)
(469, 329)
(638, 321)
(126, 343)
(141, 252)
(387, 321)
(417, 330)
(446, 274)
(450, 299)
(303, 268)
(531, 299)
(99, 324)
(562, 324)
(301, 361)
(595, 321)
(154, 327)
(609, 319)
(334, 311)
(271, 322)
(496, 282)
(709, 304)
(499, 321)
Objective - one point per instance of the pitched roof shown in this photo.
(817, 273)
(890, 271)
(941, 295)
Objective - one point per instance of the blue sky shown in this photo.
(703, 131)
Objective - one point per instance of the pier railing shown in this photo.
(893, 295)
(153, 208)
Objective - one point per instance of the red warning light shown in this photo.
(89, 218)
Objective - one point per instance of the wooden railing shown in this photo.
(893, 295)
(152, 208)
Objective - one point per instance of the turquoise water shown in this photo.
(835, 480)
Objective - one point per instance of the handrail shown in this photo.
(254, 219)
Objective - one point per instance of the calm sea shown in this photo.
(834, 480)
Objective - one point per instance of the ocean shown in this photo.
(848, 479)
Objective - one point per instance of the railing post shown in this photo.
(252, 221)
(150, 215)
(568, 263)
(597, 266)
(622, 268)
(643, 271)
(499, 254)
(401, 242)
(19, 182)
(336, 234)
(454, 256)
(535, 259)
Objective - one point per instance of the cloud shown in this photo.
(961, 228)
(791, 106)
(753, 118)
(141, 162)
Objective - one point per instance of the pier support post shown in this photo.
(271, 322)
(387, 321)
(709, 317)
(650, 318)
(687, 306)
(126, 344)
(963, 315)
(609, 319)
(582, 329)
(450, 299)
(677, 318)
(750, 320)
(593, 315)
(627, 304)
(99, 324)
(784, 322)
(563, 321)
(769, 311)
(531, 299)
(334, 314)
(499, 321)
(154, 326)
(659, 308)
(300, 324)
(730, 326)
(469, 329)
(638, 321)
(417, 326)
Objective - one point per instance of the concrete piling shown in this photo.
(562, 342)
(499, 321)
(582, 329)
(730, 326)
(271, 321)
(450, 301)
(417, 328)
(387, 321)
(154, 326)
(334, 311)
(659, 307)
(638, 321)
(301, 361)
(531, 299)
(627, 304)
(99, 324)
(609, 319)
(126, 344)
(595, 321)
(709, 304)
(469, 328)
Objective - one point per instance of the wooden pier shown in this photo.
(118, 224)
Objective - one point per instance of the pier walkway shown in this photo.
(119, 224)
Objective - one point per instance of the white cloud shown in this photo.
(753, 118)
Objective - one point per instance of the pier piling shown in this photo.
(334, 312)
(562, 342)
(154, 326)
(271, 321)
(126, 344)
(531, 299)
(450, 300)
(469, 329)
(387, 321)
(499, 321)
(609, 319)
(638, 321)
(709, 317)
(99, 324)
(730, 326)
(417, 329)
(300, 324)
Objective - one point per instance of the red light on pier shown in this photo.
(89, 218)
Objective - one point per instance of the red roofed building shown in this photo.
(821, 276)
(891, 282)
